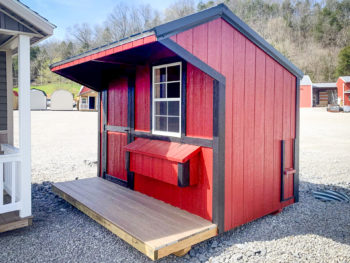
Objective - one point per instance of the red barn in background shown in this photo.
(201, 113)
(343, 86)
(306, 94)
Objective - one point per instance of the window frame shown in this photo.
(154, 99)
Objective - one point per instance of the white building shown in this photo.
(38, 99)
(20, 27)
(61, 100)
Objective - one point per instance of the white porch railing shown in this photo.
(10, 179)
(84, 106)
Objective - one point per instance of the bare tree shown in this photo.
(84, 35)
(179, 9)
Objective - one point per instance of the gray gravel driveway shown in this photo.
(65, 145)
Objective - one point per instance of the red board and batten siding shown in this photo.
(196, 199)
(199, 104)
(117, 104)
(142, 98)
(260, 112)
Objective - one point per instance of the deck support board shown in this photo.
(11, 221)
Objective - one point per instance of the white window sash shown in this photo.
(154, 100)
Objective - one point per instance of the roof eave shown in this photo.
(104, 47)
(30, 16)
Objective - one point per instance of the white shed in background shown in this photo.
(62, 100)
(37, 99)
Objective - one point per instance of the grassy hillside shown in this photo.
(50, 88)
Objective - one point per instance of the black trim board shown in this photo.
(283, 160)
(187, 140)
(296, 142)
(183, 174)
(190, 58)
(219, 155)
(131, 124)
(104, 135)
(183, 97)
(116, 180)
(99, 135)
(164, 31)
(117, 128)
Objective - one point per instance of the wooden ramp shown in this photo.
(153, 227)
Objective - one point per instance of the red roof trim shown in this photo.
(171, 151)
(126, 46)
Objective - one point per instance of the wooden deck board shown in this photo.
(12, 220)
(153, 227)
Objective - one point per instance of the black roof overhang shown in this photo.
(96, 74)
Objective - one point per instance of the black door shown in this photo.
(91, 103)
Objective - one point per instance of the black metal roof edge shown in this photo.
(189, 57)
(253, 36)
(95, 50)
(221, 10)
(182, 24)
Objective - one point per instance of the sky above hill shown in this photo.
(67, 13)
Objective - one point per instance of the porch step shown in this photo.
(153, 227)
(12, 220)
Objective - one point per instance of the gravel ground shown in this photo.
(64, 147)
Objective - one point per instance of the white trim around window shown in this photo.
(166, 99)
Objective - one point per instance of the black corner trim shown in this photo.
(131, 125)
(190, 58)
(296, 142)
(219, 155)
(283, 149)
(99, 135)
(104, 134)
(183, 174)
(183, 97)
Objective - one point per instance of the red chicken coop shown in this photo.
(198, 132)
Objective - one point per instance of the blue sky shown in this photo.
(67, 13)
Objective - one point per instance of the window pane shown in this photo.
(174, 73)
(161, 108)
(161, 123)
(160, 90)
(173, 124)
(174, 90)
(173, 108)
(160, 75)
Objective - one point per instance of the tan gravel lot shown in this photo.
(65, 147)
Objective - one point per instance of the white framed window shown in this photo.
(166, 99)
(84, 100)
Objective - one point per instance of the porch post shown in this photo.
(9, 97)
(24, 123)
